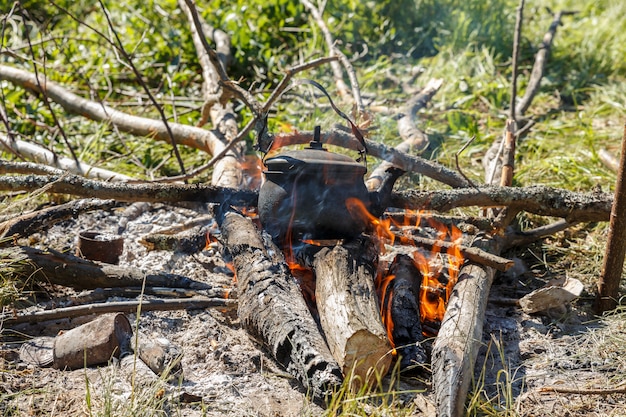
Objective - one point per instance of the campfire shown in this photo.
(375, 283)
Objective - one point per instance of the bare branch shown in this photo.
(185, 135)
(544, 201)
(139, 77)
(39, 154)
(540, 63)
(379, 150)
(332, 47)
(217, 105)
(119, 307)
(413, 137)
(26, 224)
(148, 192)
(45, 96)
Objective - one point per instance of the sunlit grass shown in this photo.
(580, 109)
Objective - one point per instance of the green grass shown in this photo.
(580, 109)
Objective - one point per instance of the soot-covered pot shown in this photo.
(305, 193)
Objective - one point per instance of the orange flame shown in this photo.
(385, 295)
(434, 294)
(252, 168)
(381, 227)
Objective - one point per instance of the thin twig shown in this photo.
(621, 389)
(252, 124)
(119, 306)
(514, 66)
(45, 97)
(138, 75)
(458, 166)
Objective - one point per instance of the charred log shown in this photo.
(402, 299)
(271, 306)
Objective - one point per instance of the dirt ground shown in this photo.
(225, 372)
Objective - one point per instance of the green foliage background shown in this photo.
(580, 109)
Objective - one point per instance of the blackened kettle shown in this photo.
(305, 191)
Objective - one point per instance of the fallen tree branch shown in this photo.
(523, 238)
(103, 294)
(25, 263)
(227, 171)
(399, 159)
(33, 152)
(26, 224)
(156, 193)
(544, 201)
(120, 307)
(414, 138)
(190, 136)
(584, 391)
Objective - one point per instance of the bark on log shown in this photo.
(29, 223)
(147, 192)
(544, 201)
(349, 312)
(460, 336)
(272, 307)
(62, 269)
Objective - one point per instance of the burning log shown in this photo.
(271, 306)
(349, 312)
(401, 305)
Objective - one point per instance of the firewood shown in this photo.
(117, 307)
(63, 269)
(473, 254)
(456, 347)
(403, 301)
(26, 224)
(272, 307)
(349, 313)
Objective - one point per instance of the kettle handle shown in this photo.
(353, 127)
